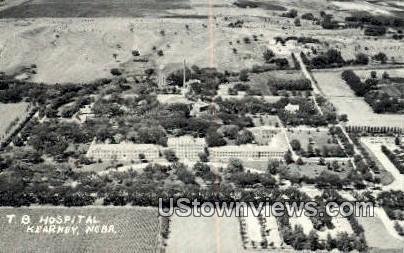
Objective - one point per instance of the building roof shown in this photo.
(123, 146)
(185, 140)
(246, 148)
(292, 108)
(173, 99)
(266, 127)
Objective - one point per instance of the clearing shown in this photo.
(99, 8)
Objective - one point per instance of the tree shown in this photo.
(299, 161)
(244, 137)
(292, 13)
(235, 166)
(243, 75)
(170, 155)
(297, 22)
(321, 161)
(282, 63)
(268, 55)
(343, 118)
(273, 167)
(308, 16)
(288, 157)
(201, 169)
(362, 59)
(381, 57)
(184, 175)
(116, 72)
(397, 141)
(296, 146)
(214, 139)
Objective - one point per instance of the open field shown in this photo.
(97, 45)
(135, 229)
(204, 234)
(9, 113)
(358, 111)
(99, 8)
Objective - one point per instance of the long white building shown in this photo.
(123, 151)
(244, 152)
(187, 147)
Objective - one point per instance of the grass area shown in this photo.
(312, 170)
(136, 230)
(9, 114)
(260, 81)
(374, 228)
(266, 120)
(318, 140)
(98, 8)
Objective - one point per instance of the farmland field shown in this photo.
(135, 229)
(9, 113)
(98, 8)
(358, 111)
(204, 234)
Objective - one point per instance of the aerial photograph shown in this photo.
(201, 126)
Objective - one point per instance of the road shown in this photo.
(398, 183)
(307, 74)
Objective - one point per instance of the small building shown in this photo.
(187, 147)
(123, 151)
(200, 107)
(245, 152)
(292, 108)
(85, 113)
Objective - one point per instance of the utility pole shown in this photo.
(184, 74)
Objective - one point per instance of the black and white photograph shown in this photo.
(201, 126)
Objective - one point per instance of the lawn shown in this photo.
(135, 229)
(317, 139)
(97, 8)
(312, 170)
(9, 113)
